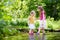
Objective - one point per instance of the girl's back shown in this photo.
(42, 15)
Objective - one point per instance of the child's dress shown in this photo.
(42, 20)
(31, 22)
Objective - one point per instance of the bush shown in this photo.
(53, 24)
(9, 31)
(37, 24)
(2, 23)
(20, 22)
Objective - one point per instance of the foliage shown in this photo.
(13, 12)
(53, 24)
(37, 23)
(10, 9)
(50, 23)
(6, 32)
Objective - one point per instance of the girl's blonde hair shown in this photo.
(33, 12)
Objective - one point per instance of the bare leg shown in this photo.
(38, 30)
(30, 31)
(31, 35)
(43, 30)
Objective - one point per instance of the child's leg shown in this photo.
(31, 35)
(38, 30)
(43, 30)
(30, 31)
(44, 25)
(38, 33)
(39, 27)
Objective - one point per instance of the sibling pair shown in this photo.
(42, 18)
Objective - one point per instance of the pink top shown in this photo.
(42, 15)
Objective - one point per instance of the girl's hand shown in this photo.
(37, 19)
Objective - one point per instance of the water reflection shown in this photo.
(47, 36)
(31, 37)
(53, 36)
(39, 37)
(43, 37)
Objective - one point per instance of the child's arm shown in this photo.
(37, 18)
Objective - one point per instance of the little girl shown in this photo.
(42, 20)
(31, 20)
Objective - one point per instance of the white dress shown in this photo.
(42, 24)
(31, 26)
